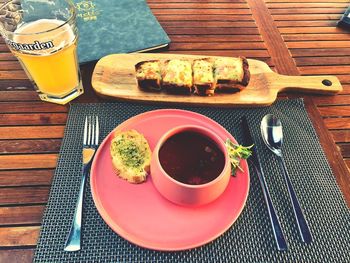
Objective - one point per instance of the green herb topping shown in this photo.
(237, 152)
(129, 153)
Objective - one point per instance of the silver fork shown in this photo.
(90, 142)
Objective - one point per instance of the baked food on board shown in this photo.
(203, 79)
(204, 76)
(177, 76)
(148, 75)
(231, 73)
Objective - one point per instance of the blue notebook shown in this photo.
(116, 26)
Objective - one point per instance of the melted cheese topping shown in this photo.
(178, 72)
(149, 70)
(229, 69)
(202, 72)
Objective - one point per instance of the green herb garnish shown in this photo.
(129, 153)
(236, 152)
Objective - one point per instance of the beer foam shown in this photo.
(43, 36)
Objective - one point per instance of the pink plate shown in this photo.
(141, 215)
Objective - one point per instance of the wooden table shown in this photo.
(293, 36)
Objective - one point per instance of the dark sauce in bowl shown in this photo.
(191, 158)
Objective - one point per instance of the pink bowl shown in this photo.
(187, 194)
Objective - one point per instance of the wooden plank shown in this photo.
(15, 85)
(7, 57)
(320, 52)
(289, 11)
(247, 53)
(26, 95)
(337, 123)
(32, 119)
(4, 48)
(322, 61)
(13, 74)
(309, 23)
(19, 236)
(231, 5)
(307, 1)
(319, 70)
(10, 65)
(191, 1)
(217, 11)
(319, 44)
(203, 17)
(217, 45)
(19, 107)
(302, 4)
(208, 24)
(341, 135)
(30, 146)
(335, 111)
(17, 255)
(24, 195)
(316, 37)
(275, 45)
(28, 161)
(345, 149)
(20, 215)
(307, 17)
(346, 89)
(344, 78)
(26, 177)
(32, 132)
(210, 31)
(209, 38)
(332, 100)
(302, 30)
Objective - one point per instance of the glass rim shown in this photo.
(72, 17)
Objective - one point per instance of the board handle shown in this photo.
(313, 84)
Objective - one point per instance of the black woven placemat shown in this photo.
(250, 239)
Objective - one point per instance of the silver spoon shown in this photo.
(271, 131)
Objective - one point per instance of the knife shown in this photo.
(254, 162)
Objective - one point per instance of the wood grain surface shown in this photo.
(293, 37)
(114, 77)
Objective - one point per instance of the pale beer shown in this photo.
(47, 50)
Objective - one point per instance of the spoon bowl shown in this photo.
(272, 134)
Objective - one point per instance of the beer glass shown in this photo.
(43, 36)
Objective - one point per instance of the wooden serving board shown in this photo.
(114, 77)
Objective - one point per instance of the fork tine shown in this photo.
(89, 131)
(97, 131)
(85, 132)
(93, 130)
